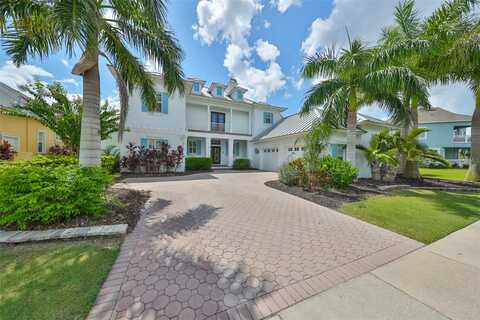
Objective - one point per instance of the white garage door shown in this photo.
(269, 159)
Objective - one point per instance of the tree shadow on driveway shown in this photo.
(191, 220)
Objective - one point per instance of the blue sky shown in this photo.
(262, 43)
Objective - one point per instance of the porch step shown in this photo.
(220, 167)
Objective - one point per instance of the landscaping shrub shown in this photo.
(51, 160)
(142, 159)
(299, 165)
(110, 163)
(340, 172)
(6, 151)
(46, 194)
(198, 163)
(288, 174)
(241, 164)
(57, 150)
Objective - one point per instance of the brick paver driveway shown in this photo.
(225, 246)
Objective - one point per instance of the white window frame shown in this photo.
(217, 93)
(44, 149)
(193, 146)
(270, 117)
(196, 84)
(8, 138)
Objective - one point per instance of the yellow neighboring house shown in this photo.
(27, 135)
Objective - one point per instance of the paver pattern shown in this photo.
(225, 246)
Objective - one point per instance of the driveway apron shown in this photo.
(223, 245)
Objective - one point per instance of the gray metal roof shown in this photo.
(295, 124)
(441, 115)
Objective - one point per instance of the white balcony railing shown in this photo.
(217, 126)
(462, 139)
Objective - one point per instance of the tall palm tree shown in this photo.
(109, 29)
(405, 33)
(352, 83)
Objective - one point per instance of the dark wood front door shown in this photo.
(215, 154)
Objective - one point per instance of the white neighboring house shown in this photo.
(219, 122)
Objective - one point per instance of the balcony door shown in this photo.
(217, 121)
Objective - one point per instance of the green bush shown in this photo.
(289, 174)
(44, 161)
(110, 163)
(198, 163)
(340, 172)
(241, 164)
(47, 194)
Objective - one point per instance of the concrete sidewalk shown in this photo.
(439, 281)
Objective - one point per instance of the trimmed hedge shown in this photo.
(241, 164)
(198, 163)
(46, 194)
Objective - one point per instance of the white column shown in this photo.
(208, 119)
(250, 122)
(207, 147)
(231, 120)
(230, 152)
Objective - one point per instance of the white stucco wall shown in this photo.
(258, 126)
(197, 117)
(240, 122)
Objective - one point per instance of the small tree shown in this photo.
(51, 105)
(415, 152)
(382, 155)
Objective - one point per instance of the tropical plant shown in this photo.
(51, 105)
(6, 151)
(382, 155)
(404, 34)
(416, 152)
(338, 173)
(97, 29)
(142, 159)
(57, 150)
(352, 83)
(316, 140)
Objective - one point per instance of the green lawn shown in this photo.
(57, 280)
(448, 174)
(423, 215)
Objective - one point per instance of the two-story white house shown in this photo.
(215, 121)
(218, 121)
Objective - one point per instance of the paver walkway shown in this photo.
(225, 246)
(438, 282)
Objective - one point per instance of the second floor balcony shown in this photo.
(462, 138)
(217, 126)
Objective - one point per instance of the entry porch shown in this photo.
(222, 151)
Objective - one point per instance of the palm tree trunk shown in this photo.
(351, 137)
(403, 158)
(411, 167)
(90, 149)
(473, 173)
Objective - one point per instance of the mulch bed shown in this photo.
(364, 188)
(125, 207)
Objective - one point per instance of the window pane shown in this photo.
(41, 142)
(159, 103)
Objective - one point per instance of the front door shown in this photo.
(215, 154)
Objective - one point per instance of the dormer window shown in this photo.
(239, 95)
(219, 91)
(196, 88)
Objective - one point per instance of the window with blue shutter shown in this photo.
(164, 103)
(144, 106)
(219, 92)
(236, 149)
(144, 142)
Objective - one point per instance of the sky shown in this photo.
(261, 43)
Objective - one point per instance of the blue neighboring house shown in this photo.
(449, 135)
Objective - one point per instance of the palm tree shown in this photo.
(405, 33)
(416, 151)
(97, 29)
(50, 105)
(352, 83)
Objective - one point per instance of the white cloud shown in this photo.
(266, 51)
(363, 19)
(66, 63)
(283, 5)
(70, 81)
(228, 20)
(18, 77)
(231, 21)
(267, 24)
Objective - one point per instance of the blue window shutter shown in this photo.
(144, 106)
(164, 102)
(199, 147)
(144, 142)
